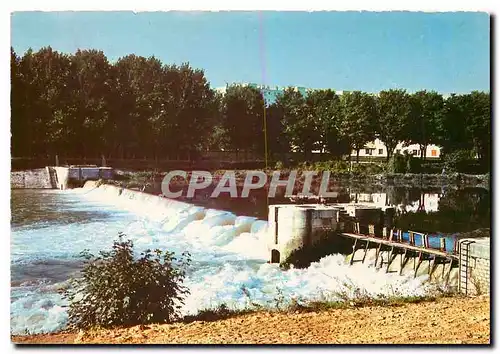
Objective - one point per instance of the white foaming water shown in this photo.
(229, 257)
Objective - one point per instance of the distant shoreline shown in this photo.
(352, 180)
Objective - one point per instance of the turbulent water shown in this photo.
(51, 228)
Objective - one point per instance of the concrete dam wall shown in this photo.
(57, 177)
(39, 178)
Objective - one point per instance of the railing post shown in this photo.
(442, 244)
(425, 240)
(411, 238)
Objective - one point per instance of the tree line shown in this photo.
(81, 104)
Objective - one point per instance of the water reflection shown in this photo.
(426, 201)
(45, 208)
(435, 210)
(429, 210)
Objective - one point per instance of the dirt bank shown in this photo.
(447, 320)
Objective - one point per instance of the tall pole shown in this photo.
(263, 67)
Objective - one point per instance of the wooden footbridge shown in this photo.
(395, 245)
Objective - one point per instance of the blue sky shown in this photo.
(446, 52)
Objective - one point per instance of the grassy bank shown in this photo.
(453, 320)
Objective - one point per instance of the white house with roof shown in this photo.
(378, 149)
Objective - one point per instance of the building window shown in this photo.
(434, 153)
(380, 151)
(368, 151)
(415, 152)
(398, 151)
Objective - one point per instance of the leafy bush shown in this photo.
(397, 164)
(413, 164)
(336, 166)
(367, 168)
(279, 165)
(460, 161)
(405, 163)
(116, 289)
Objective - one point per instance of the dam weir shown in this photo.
(364, 233)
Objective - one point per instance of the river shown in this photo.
(50, 228)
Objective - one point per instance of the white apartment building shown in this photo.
(270, 92)
(378, 149)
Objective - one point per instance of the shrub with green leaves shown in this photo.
(118, 289)
(397, 164)
(457, 161)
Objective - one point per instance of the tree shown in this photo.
(141, 123)
(86, 112)
(278, 142)
(243, 117)
(300, 124)
(359, 115)
(192, 109)
(17, 103)
(46, 74)
(325, 107)
(479, 125)
(394, 108)
(427, 109)
(453, 132)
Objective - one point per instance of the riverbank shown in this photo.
(455, 320)
(152, 180)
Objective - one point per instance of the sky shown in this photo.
(367, 51)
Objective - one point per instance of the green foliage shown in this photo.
(279, 165)
(394, 108)
(413, 164)
(404, 163)
(359, 116)
(301, 127)
(397, 164)
(134, 107)
(457, 161)
(138, 107)
(427, 110)
(243, 117)
(368, 168)
(220, 312)
(116, 289)
(325, 106)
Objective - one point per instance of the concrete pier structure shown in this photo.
(293, 226)
(463, 265)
